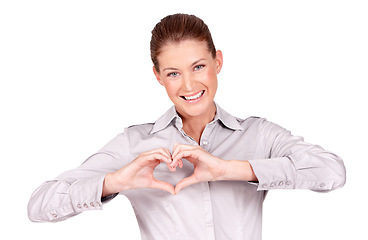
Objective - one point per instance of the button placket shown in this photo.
(204, 144)
(207, 203)
(204, 141)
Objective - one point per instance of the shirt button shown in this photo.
(281, 183)
(264, 185)
(85, 205)
(54, 215)
(92, 205)
(288, 183)
(322, 185)
(79, 206)
(272, 184)
(204, 142)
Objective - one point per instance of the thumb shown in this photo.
(163, 186)
(185, 182)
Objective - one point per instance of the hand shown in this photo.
(206, 166)
(139, 173)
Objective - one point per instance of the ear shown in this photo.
(157, 75)
(219, 61)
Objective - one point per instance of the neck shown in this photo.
(195, 125)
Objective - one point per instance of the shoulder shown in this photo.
(139, 129)
(260, 124)
(252, 121)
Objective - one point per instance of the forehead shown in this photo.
(182, 53)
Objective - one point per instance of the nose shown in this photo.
(188, 83)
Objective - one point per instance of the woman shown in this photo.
(197, 172)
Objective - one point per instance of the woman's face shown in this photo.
(189, 73)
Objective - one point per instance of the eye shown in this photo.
(173, 74)
(198, 67)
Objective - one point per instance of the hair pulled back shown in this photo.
(178, 27)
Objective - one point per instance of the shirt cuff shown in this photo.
(274, 173)
(86, 194)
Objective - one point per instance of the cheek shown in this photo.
(211, 80)
(171, 89)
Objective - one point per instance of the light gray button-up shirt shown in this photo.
(208, 210)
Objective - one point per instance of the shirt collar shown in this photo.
(165, 120)
(225, 118)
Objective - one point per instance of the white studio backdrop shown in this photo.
(75, 73)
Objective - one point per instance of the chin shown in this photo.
(195, 110)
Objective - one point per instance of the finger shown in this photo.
(157, 156)
(189, 155)
(173, 169)
(178, 148)
(175, 162)
(175, 149)
(163, 186)
(163, 151)
(168, 165)
(185, 182)
(167, 152)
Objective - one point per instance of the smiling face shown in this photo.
(189, 74)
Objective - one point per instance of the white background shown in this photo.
(75, 73)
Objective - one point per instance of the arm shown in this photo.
(288, 163)
(79, 189)
(291, 163)
(99, 178)
(237, 170)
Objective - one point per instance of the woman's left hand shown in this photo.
(206, 166)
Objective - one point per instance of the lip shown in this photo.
(191, 95)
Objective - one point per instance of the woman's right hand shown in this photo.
(139, 173)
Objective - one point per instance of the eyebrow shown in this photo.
(194, 63)
(170, 68)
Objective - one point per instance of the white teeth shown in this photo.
(195, 96)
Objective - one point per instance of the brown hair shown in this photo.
(175, 28)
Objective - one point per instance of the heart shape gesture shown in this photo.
(206, 166)
(139, 173)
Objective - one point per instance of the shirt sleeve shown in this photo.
(79, 189)
(291, 163)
